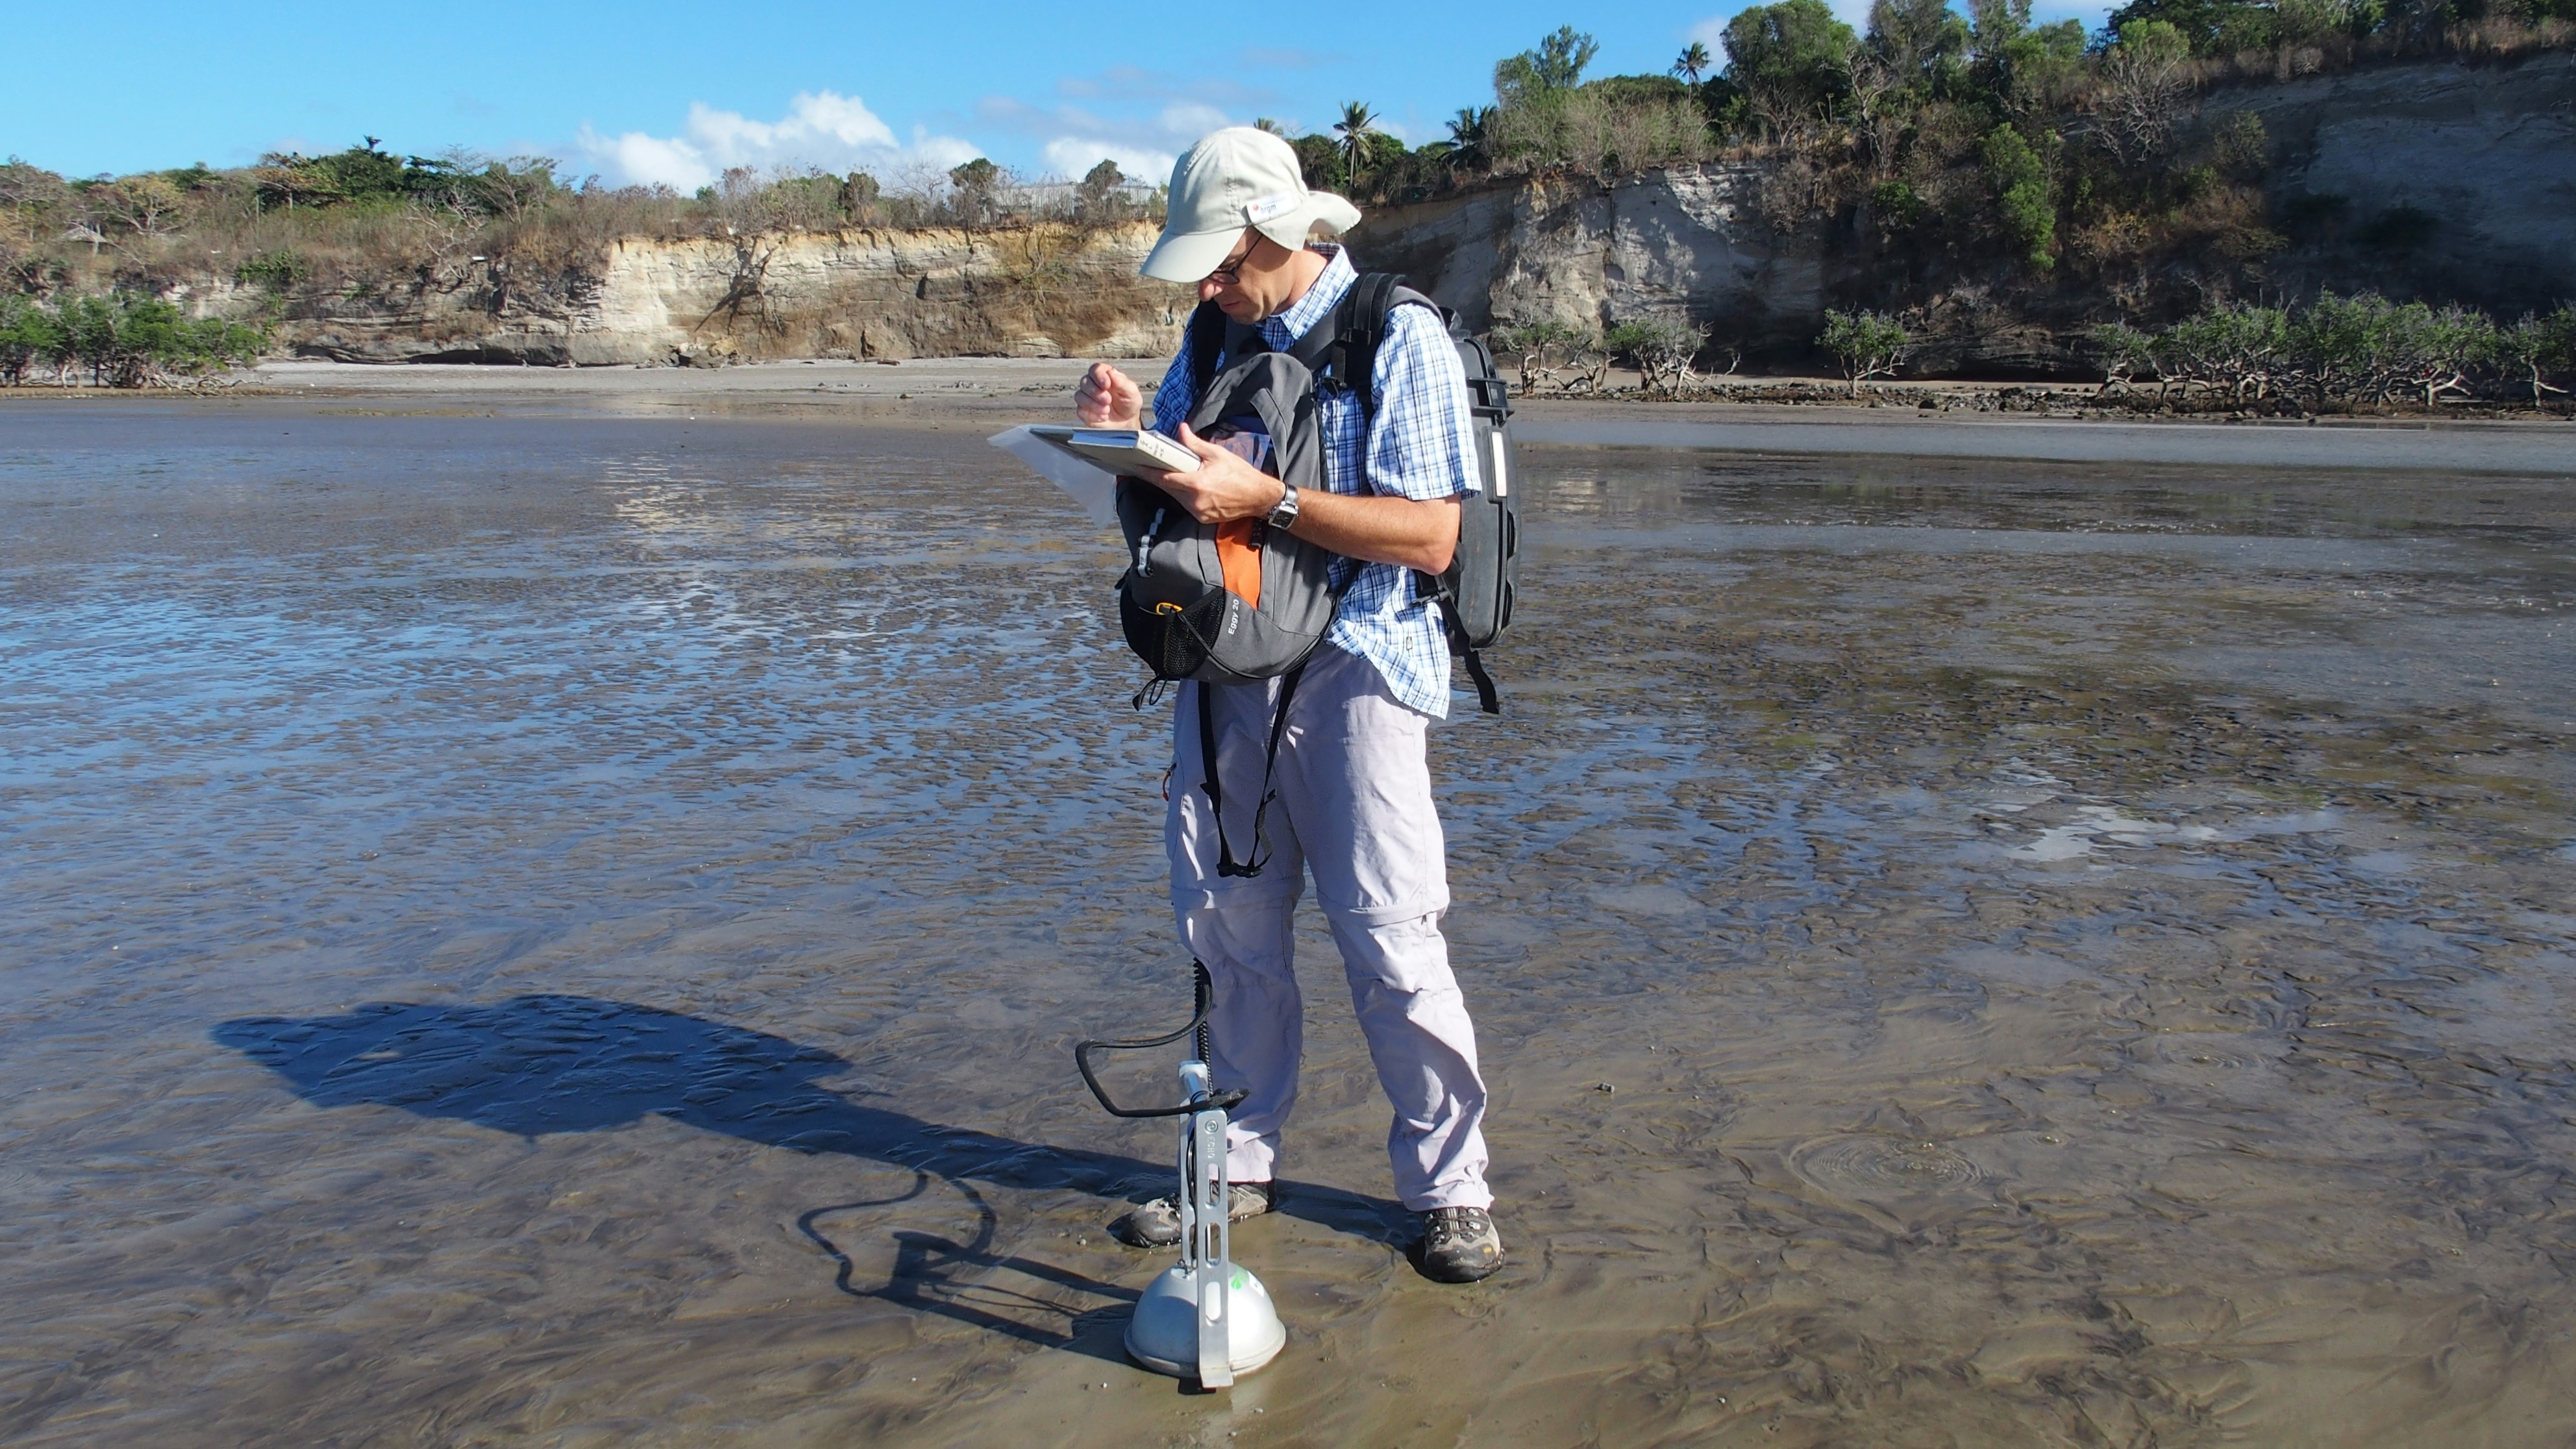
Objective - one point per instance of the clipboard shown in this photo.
(1119, 450)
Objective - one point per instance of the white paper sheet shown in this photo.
(1095, 489)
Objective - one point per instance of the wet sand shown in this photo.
(566, 927)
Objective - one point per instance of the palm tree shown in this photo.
(1695, 59)
(1357, 124)
(1467, 135)
(1273, 127)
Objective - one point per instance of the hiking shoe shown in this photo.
(1459, 1245)
(1157, 1224)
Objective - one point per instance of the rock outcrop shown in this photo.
(1024, 292)
(2478, 160)
(1684, 243)
(2440, 179)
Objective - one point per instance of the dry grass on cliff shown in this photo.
(229, 239)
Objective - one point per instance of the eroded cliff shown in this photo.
(1029, 292)
(2438, 179)
(2448, 181)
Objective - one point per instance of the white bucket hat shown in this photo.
(1238, 177)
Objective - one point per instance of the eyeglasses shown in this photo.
(1231, 271)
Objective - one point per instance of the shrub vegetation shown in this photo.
(119, 340)
(2341, 353)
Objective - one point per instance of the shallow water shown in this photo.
(567, 930)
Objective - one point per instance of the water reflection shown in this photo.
(560, 927)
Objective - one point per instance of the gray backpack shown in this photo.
(1177, 614)
(1173, 603)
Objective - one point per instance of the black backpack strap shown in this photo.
(1207, 340)
(1226, 864)
(1363, 329)
(1488, 699)
(1342, 348)
(1359, 328)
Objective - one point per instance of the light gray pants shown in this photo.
(1354, 806)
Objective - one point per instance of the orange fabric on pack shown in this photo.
(1240, 558)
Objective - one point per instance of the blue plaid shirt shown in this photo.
(1420, 445)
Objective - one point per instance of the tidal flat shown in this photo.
(566, 928)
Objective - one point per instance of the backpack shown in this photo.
(1174, 606)
(1475, 594)
(1236, 602)
(1241, 602)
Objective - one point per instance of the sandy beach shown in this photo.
(552, 907)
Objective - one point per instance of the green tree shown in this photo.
(1660, 348)
(2438, 349)
(31, 188)
(275, 271)
(2240, 348)
(2538, 348)
(1919, 41)
(144, 204)
(2025, 201)
(29, 333)
(859, 194)
(2022, 66)
(1095, 196)
(365, 173)
(1320, 158)
(1357, 125)
(128, 341)
(1866, 344)
(975, 190)
(1467, 135)
(2145, 80)
(1693, 62)
(2210, 27)
(2122, 352)
(2337, 348)
(1556, 65)
(1789, 57)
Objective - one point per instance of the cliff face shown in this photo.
(2484, 157)
(2447, 181)
(1682, 243)
(1029, 292)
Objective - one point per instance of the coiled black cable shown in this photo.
(1196, 1029)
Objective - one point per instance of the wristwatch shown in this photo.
(1285, 513)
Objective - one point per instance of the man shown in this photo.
(1354, 790)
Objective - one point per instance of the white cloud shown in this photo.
(1711, 33)
(1074, 156)
(824, 128)
(1077, 139)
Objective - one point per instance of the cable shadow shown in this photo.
(539, 1064)
(924, 1279)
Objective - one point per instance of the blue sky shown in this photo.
(672, 92)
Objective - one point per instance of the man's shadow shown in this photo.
(534, 1065)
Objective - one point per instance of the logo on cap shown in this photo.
(1257, 212)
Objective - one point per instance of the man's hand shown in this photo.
(1108, 398)
(1223, 487)
(1407, 532)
